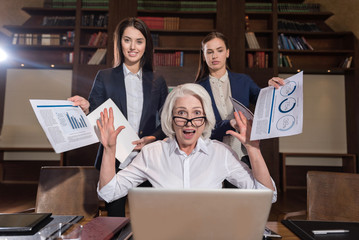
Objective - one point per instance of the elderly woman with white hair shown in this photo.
(188, 158)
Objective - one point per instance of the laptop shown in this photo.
(21, 222)
(199, 214)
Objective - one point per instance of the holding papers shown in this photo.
(278, 112)
(67, 127)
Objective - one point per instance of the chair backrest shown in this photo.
(332, 196)
(68, 190)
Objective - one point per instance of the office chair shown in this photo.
(68, 190)
(331, 196)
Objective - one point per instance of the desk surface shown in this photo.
(275, 226)
(282, 230)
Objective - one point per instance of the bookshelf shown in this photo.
(330, 49)
(183, 38)
(42, 35)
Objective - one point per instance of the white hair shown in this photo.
(191, 89)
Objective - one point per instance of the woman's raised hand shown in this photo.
(107, 129)
(244, 128)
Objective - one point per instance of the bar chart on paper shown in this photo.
(70, 120)
(65, 125)
(76, 122)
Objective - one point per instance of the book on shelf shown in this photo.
(60, 3)
(45, 39)
(284, 61)
(298, 7)
(58, 21)
(177, 5)
(98, 39)
(258, 7)
(102, 4)
(97, 57)
(346, 63)
(288, 25)
(173, 59)
(94, 20)
(257, 60)
(252, 40)
(293, 43)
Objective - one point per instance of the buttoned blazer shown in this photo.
(110, 83)
(243, 89)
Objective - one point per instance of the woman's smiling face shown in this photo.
(133, 46)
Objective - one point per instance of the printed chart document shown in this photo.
(65, 125)
(279, 112)
(124, 144)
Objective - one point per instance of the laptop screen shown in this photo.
(199, 214)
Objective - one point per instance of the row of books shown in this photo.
(293, 43)
(177, 5)
(103, 4)
(94, 20)
(73, 3)
(44, 39)
(257, 60)
(60, 3)
(98, 39)
(167, 23)
(282, 7)
(98, 57)
(288, 25)
(59, 21)
(284, 61)
(258, 7)
(252, 40)
(174, 59)
(298, 7)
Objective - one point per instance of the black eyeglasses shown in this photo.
(196, 122)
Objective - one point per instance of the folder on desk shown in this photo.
(104, 228)
(304, 229)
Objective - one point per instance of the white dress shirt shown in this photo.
(164, 165)
(134, 100)
(221, 90)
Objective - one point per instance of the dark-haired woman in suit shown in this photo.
(134, 88)
(215, 76)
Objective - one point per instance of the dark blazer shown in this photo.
(243, 89)
(110, 83)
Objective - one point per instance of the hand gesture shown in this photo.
(244, 128)
(107, 130)
(80, 101)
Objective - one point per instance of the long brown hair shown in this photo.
(203, 70)
(147, 58)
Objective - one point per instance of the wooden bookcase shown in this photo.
(39, 46)
(330, 48)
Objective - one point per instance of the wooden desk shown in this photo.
(275, 226)
(282, 230)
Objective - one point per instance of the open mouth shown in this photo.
(188, 133)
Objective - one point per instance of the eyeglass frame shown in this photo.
(189, 120)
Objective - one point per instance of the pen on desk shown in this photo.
(330, 231)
